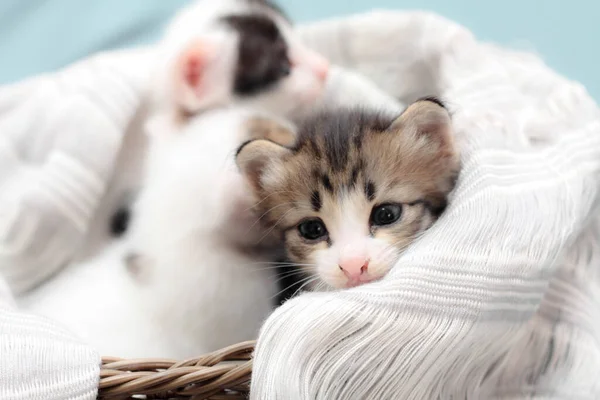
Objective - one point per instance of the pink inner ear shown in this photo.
(193, 70)
(193, 63)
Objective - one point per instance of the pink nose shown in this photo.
(354, 267)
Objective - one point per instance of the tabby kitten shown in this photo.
(355, 189)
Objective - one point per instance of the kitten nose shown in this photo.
(354, 267)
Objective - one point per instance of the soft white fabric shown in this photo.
(60, 138)
(60, 135)
(40, 360)
(500, 299)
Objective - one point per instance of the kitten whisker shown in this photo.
(303, 285)
(323, 286)
(265, 213)
(276, 263)
(393, 247)
(281, 278)
(274, 226)
(292, 285)
(288, 267)
(275, 267)
(286, 273)
(298, 264)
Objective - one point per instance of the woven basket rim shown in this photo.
(222, 374)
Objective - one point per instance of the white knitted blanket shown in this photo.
(500, 299)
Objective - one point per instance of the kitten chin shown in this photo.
(356, 189)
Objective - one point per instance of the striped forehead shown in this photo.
(338, 184)
(332, 145)
(336, 138)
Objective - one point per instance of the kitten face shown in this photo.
(356, 189)
(245, 52)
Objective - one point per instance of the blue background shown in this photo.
(43, 35)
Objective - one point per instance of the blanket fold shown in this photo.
(61, 134)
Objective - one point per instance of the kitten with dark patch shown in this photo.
(242, 52)
(355, 189)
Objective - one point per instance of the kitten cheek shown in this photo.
(328, 270)
(380, 268)
(399, 240)
(383, 253)
(332, 277)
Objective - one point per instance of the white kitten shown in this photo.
(199, 280)
(196, 246)
(214, 53)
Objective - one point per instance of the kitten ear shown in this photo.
(190, 74)
(255, 156)
(427, 117)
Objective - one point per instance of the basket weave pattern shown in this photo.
(221, 375)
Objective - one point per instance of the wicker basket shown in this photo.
(221, 375)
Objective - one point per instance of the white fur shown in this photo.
(197, 288)
(192, 225)
(126, 180)
(99, 302)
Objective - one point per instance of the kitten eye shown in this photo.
(312, 229)
(386, 214)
